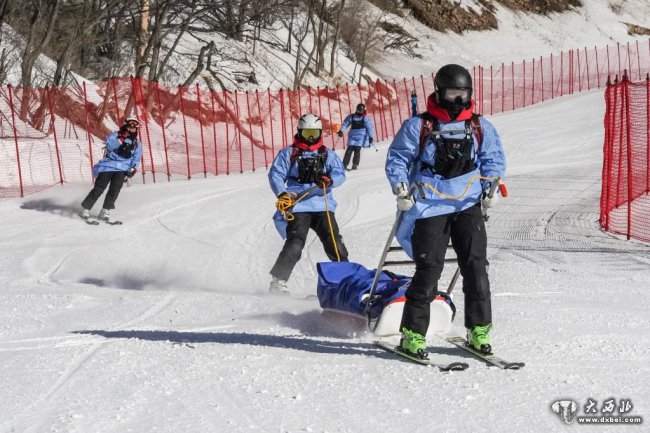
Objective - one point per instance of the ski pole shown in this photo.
(380, 266)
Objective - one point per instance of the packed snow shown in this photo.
(164, 323)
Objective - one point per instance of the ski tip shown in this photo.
(454, 366)
(514, 365)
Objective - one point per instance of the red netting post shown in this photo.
(311, 108)
(579, 71)
(406, 96)
(647, 134)
(347, 92)
(512, 75)
(374, 117)
(299, 104)
(552, 80)
(561, 73)
(609, 73)
(628, 143)
(610, 144)
(271, 122)
(145, 118)
(390, 111)
(491, 90)
(225, 105)
(162, 128)
(250, 130)
(198, 102)
(382, 113)
(481, 72)
(604, 183)
(524, 74)
(597, 67)
(618, 51)
(56, 141)
(13, 125)
(571, 74)
(259, 112)
(541, 75)
(90, 147)
(399, 112)
(134, 92)
(283, 118)
(587, 66)
(292, 131)
(341, 117)
(532, 93)
(238, 126)
(329, 115)
(320, 109)
(117, 107)
(503, 88)
(187, 145)
(214, 134)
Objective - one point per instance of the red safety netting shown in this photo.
(55, 135)
(625, 197)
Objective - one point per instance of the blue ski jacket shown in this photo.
(361, 130)
(283, 177)
(114, 162)
(404, 165)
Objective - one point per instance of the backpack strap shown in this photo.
(295, 153)
(475, 124)
(430, 123)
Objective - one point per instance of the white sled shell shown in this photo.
(391, 317)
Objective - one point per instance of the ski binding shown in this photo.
(452, 366)
(489, 358)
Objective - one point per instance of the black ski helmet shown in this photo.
(361, 108)
(453, 85)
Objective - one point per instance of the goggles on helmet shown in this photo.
(452, 94)
(310, 134)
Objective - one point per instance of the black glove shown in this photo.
(131, 172)
(324, 181)
(282, 194)
(125, 150)
(370, 140)
(340, 133)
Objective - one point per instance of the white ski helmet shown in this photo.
(310, 128)
(131, 119)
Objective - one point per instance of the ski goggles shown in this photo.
(132, 124)
(310, 133)
(452, 94)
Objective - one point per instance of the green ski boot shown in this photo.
(479, 339)
(413, 344)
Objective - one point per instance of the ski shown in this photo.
(489, 358)
(452, 366)
(95, 222)
(113, 222)
(91, 222)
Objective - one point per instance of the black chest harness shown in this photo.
(358, 123)
(310, 167)
(454, 156)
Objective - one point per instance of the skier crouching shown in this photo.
(298, 176)
(453, 173)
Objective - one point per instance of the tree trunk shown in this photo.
(335, 39)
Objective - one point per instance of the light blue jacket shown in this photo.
(283, 177)
(404, 164)
(359, 137)
(114, 162)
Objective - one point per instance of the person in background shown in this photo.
(455, 171)
(122, 155)
(361, 135)
(302, 177)
(414, 103)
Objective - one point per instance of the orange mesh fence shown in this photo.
(55, 135)
(625, 196)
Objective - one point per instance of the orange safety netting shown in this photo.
(625, 197)
(55, 135)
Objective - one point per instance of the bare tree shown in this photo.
(335, 38)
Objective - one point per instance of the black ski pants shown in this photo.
(430, 239)
(348, 154)
(297, 231)
(115, 179)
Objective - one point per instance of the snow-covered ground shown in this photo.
(163, 324)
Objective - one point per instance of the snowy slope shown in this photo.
(163, 324)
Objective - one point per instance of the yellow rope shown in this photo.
(329, 221)
(469, 184)
(287, 201)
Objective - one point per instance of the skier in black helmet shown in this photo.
(455, 171)
(361, 135)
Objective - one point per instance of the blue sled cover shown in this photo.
(344, 286)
